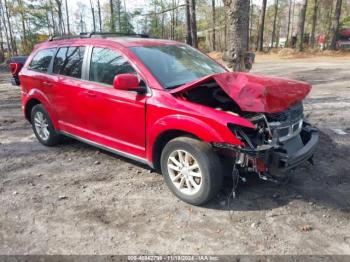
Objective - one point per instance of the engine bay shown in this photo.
(280, 134)
(211, 94)
(283, 125)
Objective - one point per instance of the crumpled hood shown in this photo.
(255, 93)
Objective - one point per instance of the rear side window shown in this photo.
(69, 61)
(106, 64)
(42, 59)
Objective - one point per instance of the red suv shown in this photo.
(167, 105)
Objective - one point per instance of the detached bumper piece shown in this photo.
(282, 161)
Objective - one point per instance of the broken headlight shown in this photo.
(253, 137)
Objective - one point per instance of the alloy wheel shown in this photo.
(41, 125)
(184, 172)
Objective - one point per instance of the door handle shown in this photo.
(90, 93)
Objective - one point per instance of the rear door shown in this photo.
(67, 69)
(37, 74)
(116, 118)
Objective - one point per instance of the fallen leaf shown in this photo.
(305, 228)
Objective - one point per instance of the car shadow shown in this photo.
(326, 183)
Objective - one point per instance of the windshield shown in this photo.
(175, 65)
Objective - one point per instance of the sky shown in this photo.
(131, 5)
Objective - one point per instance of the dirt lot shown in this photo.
(75, 199)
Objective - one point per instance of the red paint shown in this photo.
(345, 32)
(125, 81)
(15, 68)
(255, 93)
(131, 122)
(321, 39)
(261, 166)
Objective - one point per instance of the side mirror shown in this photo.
(128, 82)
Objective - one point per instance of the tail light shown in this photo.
(15, 68)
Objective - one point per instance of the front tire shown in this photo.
(191, 170)
(43, 127)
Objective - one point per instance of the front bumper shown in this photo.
(279, 157)
(280, 161)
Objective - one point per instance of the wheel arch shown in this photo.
(163, 139)
(172, 126)
(34, 98)
(29, 106)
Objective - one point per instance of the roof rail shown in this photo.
(60, 37)
(102, 34)
(93, 34)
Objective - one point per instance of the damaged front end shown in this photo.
(281, 140)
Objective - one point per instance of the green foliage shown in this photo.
(159, 18)
(125, 23)
(345, 23)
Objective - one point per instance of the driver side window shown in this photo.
(106, 64)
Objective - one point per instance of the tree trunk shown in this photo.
(5, 28)
(99, 14)
(176, 18)
(313, 26)
(54, 29)
(335, 25)
(24, 29)
(213, 14)
(93, 15)
(2, 51)
(261, 26)
(48, 21)
(237, 12)
(251, 10)
(67, 18)
(60, 18)
(193, 23)
(162, 20)
(293, 18)
(188, 23)
(248, 21)
(119, 12)
(172, 29)
(329, 24)
(81, 23)
(12, 40)
(288, 26)
(301, 25)
(273, 36)
(112, 16)
(225, 30)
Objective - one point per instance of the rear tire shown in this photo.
(43, 127)
(192, 170)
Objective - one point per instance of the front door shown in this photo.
(116, 118)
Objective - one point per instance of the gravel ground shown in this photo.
(75, 199)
